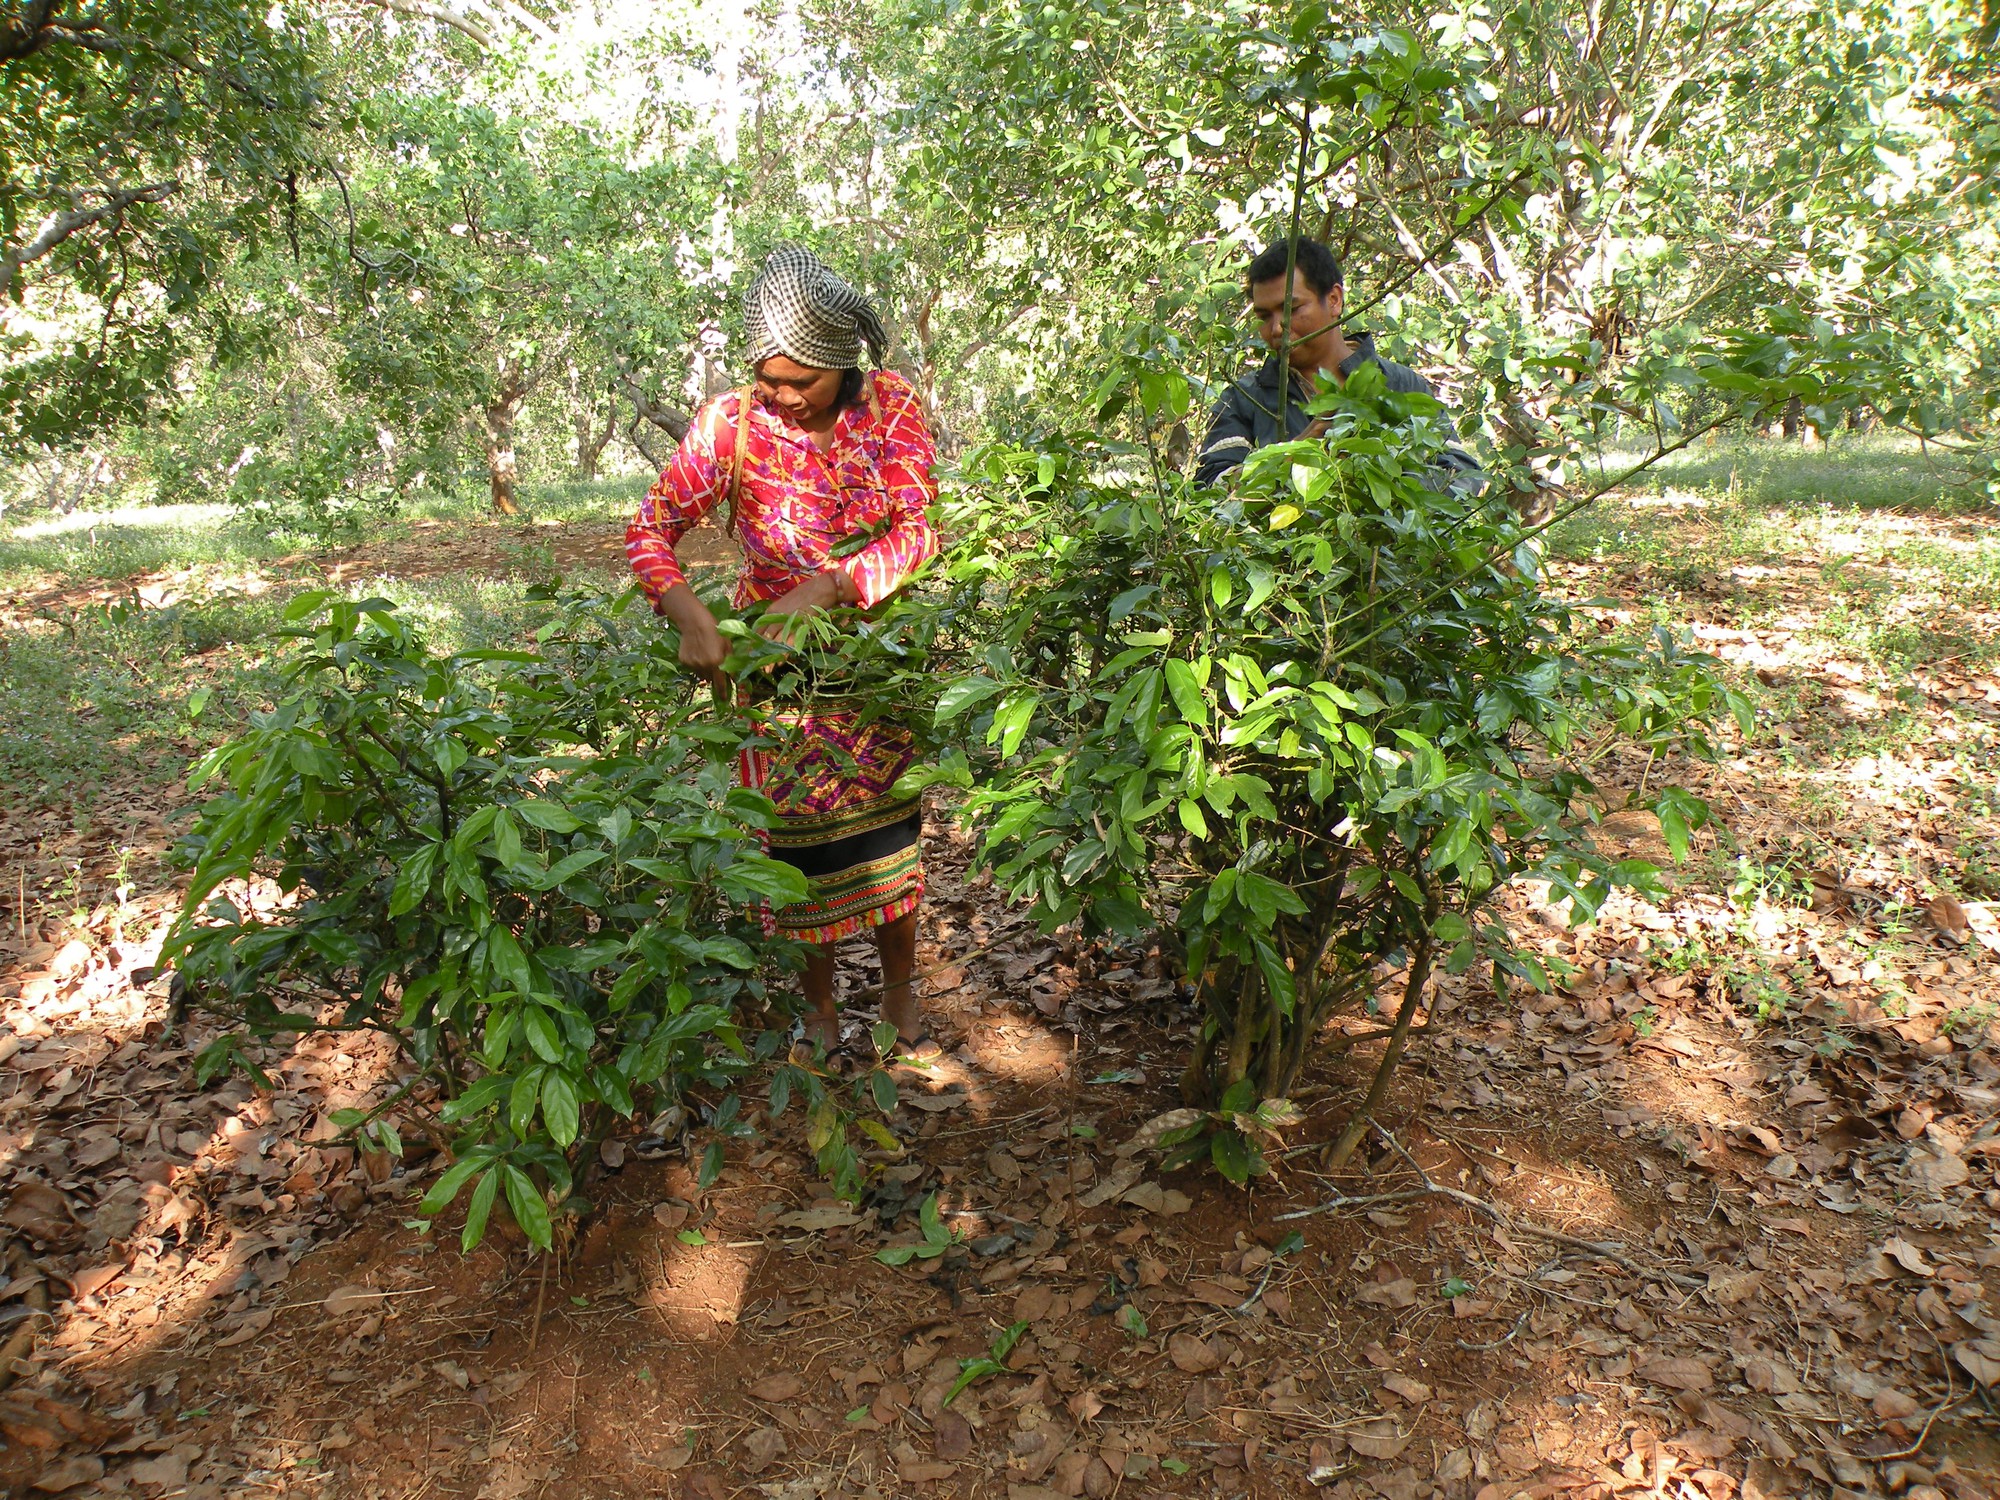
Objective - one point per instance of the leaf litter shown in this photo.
(1716, 1259)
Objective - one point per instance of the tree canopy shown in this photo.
(438, 238)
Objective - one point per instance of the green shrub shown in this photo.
(1307, 727)
(533, 870)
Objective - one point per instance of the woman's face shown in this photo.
(801, 393)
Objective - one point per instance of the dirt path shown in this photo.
(1787, 1281)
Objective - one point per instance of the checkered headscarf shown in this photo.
(797, 307)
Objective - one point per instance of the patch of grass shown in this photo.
(113, 546)
(90, 701)
(459, 612)
(554, 500)
(1861, 471)
(91, 698)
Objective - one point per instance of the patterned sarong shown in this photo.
(859, 845)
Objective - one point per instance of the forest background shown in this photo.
(324, 260)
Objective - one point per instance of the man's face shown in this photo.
(1313, 316)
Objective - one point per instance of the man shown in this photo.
(1247, 415)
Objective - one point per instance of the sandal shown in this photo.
(923, 1051)
(836, 1061)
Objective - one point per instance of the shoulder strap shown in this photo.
(743, 399)
(874, 398)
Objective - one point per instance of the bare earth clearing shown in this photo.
(1658, 1246)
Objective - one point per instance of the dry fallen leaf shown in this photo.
(1676, 1373)
(817, 1219)
(1413, 1391)
(1378, 1439)
(168, 1471)
(453, 1373)
(1214, 1293)
(782, 1386)
(951, 1436)
(40, 1213)
(1148, 1197)
(343, 1300)
(1034, 1303)
(1196, 1356)
(1401, 1292)
(84, 1468)
(1892, 1405)
(253, 1323)
(1979, 1358)
(1907, 1255)
(933, 1103)
(1948, 915)
(1938, 1170)
(1084, 1406)
(761, 1449)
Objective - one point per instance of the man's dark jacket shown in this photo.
(1247, 415)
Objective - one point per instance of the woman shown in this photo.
(826, 455)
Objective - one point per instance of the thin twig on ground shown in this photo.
(1609, 1250)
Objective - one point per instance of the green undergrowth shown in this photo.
(94, 697)
(1857, 471)
(38, 549)
(130, 542)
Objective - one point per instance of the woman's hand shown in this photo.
(821, 591)
(703, 649)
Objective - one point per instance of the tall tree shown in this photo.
(143, 144)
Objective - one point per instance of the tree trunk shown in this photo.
(591, 438)
(500, 459)
(1794, 413)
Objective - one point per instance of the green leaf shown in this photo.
(305, 604)
(509, 965)
(540, 1029)
(971, 1371)
(964, 694)
(530, 1209)
(1235, 1156)
(560, 1109)
(506, 839)
(1192, 819)
(446, 1187)
(548, 815)
(691, 1237)
(413, 880)
(1185, 690)
(522, 1099)
(1133, 1321)
(711, 1166)
(478, 1098)
(478, 1211)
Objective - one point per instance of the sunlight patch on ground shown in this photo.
(697, 1291)
(135, 517)
(1670, 500)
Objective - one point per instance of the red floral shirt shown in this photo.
(798, 504)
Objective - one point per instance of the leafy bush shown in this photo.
(533, 870)
(1309, 726)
